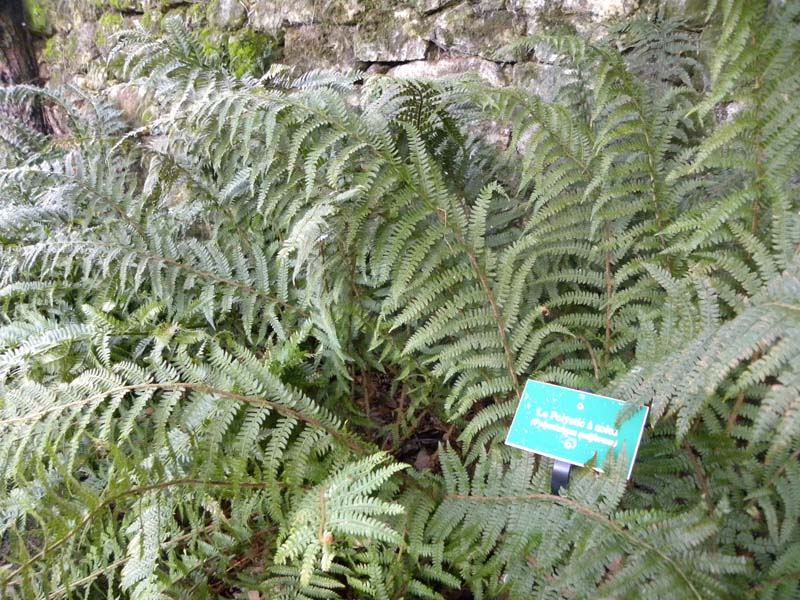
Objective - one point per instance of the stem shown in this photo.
(404, 176)
(594, 515)
(498, 317)
(113, 500)
(784, 305)
(592, 356)
(760, 171)
(791, 460)
(737, 407)
(321, 532)
(62, 591)
(229, 282)
(200, 387)
(700, 477)
(609, 308)
(365, 384)
(146, 256)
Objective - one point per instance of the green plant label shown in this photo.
(573, 426)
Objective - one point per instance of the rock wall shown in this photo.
(410, 38)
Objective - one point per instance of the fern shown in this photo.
(224, 335)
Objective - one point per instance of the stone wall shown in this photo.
(409, 38)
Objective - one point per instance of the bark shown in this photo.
(18, 63)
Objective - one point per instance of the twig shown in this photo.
(321, 532)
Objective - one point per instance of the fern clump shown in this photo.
(227, 335)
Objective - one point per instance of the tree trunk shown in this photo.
(18, 63)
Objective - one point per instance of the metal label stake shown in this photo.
(560, 477)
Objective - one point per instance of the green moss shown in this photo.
(37, 17)
(196, 11)
(243, 52)
(117, 4)
(50, 52)
(61, 52)
(107, 24)
(211, 44)
(250, 52)
(110, 20)
(151, 19)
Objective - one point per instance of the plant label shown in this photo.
(573, 426)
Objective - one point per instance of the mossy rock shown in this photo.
(69, 55)
(467, 30)
(693, 10)
(121, 5)
(226, 14)
(392, 36)
(48, 17)
(320, 46)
